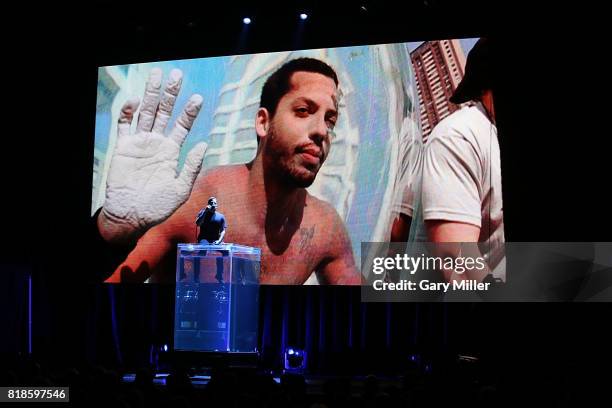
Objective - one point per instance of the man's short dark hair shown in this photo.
(479, 75)
(279, 83)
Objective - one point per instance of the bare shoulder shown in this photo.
(337, 265)
(323, 211)
(208, 180)
(329, 223)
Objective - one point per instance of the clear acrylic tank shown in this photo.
(217, 298)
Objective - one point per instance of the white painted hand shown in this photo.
(143, 186)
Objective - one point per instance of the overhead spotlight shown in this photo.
(303, 16)
(246, 20)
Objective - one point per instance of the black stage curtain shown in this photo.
(123, 326)
(126, 325)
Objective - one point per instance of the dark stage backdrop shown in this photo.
(554, 161)
(118, 325)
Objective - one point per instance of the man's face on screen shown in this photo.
(300, 133)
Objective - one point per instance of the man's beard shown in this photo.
(286, 165)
